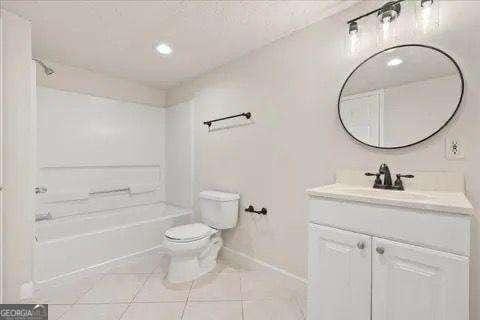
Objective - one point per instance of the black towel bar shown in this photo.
(247, 115)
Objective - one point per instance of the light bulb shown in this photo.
(427, 13)
(386, 27)
(353, 39)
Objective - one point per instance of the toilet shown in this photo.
(194, 247)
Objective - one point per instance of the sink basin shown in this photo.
(391, 194)
(430, 200)
(438, 191)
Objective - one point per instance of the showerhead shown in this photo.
(48, 71)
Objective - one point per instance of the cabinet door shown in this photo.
(339, 275)
(414, 283)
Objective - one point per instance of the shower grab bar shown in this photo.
(43, 216)
(109, 191)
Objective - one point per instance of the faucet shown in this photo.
(387, 179)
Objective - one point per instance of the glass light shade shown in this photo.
(387, 32)
(353, 42)
(427, 16)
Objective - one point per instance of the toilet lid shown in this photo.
(189, 232)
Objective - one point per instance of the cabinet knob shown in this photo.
(361, 245)
(380, 250)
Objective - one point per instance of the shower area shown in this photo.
(101, 177)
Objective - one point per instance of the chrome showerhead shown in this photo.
(48, 71)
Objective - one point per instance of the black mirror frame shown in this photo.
(382, 51)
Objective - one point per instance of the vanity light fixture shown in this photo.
(353, 28)
(164, 49)
(427, 15)
(387, 15)
(426, 3)
(394, 62)
(353, 38)
(389, 12)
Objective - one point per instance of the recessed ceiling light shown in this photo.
(394, 62)
(163, 48)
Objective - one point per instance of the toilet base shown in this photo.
(188, 266)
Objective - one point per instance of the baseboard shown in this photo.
(245, 261)
(97, 268)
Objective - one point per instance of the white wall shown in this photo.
(296, 141)
(17, 131)
(84, 81)
(179, 154)
(82, 130)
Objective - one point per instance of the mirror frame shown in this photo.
(394, 47)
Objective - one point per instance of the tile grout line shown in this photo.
(186, 301)
(88, 290)
(149, 276)
(241, 294)
(76, 302)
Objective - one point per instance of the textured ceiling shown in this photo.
(117, 37)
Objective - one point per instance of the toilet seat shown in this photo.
(189, 232)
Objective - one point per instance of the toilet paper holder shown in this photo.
(252, 209)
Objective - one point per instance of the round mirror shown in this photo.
(400, 96)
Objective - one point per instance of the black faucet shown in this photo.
(398, 185)
(387, 179)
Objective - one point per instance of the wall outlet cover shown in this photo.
(454, 148)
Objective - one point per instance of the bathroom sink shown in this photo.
(419, 199)
(397, 195)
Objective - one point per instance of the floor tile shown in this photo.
(143, 264)
(95, 311)
(272, 309)
(64, 292)
(55, 311)
(301, 298)
(223, 286)
(227, 267)
(216, 310)
(154, 311)
(267, 285)
(158, 289)
(114, 288)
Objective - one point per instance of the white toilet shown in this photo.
(194, 247)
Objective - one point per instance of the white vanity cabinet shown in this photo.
(411, 282)
(372, 261)
(340, 269)
(354, 276)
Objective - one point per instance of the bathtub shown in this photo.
(69, 245)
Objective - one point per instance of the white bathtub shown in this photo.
(73, 244)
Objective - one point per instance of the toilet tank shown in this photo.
(219, 210)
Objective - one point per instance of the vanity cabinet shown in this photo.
(354, 276)
(339, 274)
(411, 282)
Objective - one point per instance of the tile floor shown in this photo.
(138, 291)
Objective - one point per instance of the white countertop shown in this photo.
(444, 201)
